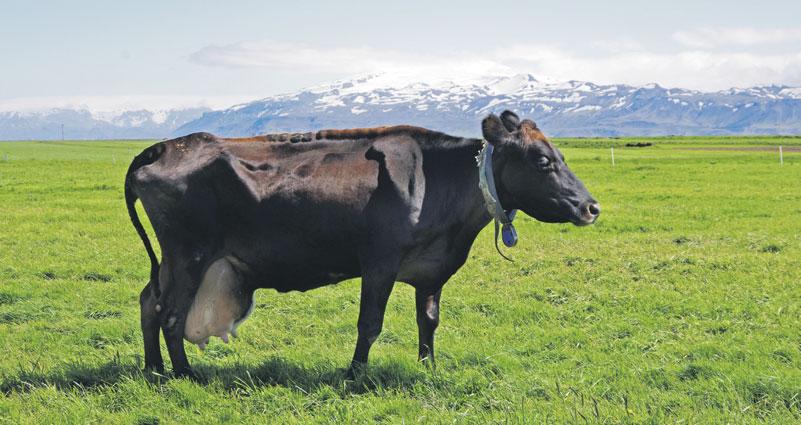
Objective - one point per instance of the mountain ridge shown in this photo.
(83, 124)
(561, 108)
(566, 109)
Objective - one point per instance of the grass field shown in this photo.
(681, 305)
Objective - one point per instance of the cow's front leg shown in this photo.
(427, 321)
(376, 287)
(149, 319)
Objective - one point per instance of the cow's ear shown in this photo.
(530, 124)
(494, 131)
(510, 120)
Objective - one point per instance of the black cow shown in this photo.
(302, 210)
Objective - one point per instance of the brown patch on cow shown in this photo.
(253, 167)
(531, 133)
(277, 137)
(426, 138)
(376, 132)
(244, 139)
(303, 170)
(332, 157)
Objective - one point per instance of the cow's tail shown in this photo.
(148, 156)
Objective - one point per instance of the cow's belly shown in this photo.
(290, 262)
(221, 304)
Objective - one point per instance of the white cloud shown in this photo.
(344, 60)
(620, 61)
(618, 45)
(276, 54)
(705, 38)
(688, 69)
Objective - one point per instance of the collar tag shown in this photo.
(502, 218)
(509, 235)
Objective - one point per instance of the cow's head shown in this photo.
(531, 174)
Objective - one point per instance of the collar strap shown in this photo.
(501, 217)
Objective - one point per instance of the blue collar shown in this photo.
(501, 217)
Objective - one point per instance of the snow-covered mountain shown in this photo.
(81, 123)
(572, 108)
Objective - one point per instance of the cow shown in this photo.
(297, 211)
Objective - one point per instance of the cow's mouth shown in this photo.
(581, 222)
(583, 214)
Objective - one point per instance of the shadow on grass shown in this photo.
(238, 377)
(278, 371)
(71, 376)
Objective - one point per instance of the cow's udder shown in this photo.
(221, 304)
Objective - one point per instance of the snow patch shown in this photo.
(587, 108)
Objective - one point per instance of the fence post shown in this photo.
(613, 155)
(781, 156)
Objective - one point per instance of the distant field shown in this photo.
(683, 140)
(682, 304)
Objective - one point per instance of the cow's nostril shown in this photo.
(594, 209)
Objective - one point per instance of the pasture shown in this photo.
(681, 305)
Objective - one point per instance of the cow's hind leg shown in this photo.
(427, 321)
(149, 318)
(174, 303)
(173, 328)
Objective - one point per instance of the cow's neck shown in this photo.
(471, 210)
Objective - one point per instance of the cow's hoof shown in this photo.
(155, 368)
(355, 370)
(187, 373)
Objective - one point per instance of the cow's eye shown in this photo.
(543, 162)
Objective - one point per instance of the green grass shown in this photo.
(682, 304)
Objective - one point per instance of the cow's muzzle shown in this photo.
(589, 212)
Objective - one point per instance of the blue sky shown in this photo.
(221, 52)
